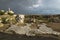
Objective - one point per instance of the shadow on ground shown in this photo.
(5, 36)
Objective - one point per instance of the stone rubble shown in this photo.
(26, 30)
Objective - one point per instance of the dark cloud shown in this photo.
(32, 6)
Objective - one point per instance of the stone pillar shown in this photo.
(21, 18)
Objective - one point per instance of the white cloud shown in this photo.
(36, 5)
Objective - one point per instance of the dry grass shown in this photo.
(54, 26)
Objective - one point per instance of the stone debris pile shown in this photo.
(26, 30)
(43, 29)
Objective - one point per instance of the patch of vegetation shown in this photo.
(2, 12)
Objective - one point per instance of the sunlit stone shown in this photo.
(2, 11)
(21, 18)
(14, 15)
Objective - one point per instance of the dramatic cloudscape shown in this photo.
(32, 6)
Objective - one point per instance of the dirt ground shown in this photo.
(4, 36)
(54, 26)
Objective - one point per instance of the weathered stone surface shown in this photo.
(43, 29)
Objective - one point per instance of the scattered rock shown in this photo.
(26, 30)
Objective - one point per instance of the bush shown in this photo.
(10, 13)
(4, 20)
(2, 12)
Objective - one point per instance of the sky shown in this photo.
(32, 6)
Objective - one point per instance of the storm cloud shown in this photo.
(32, 6)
